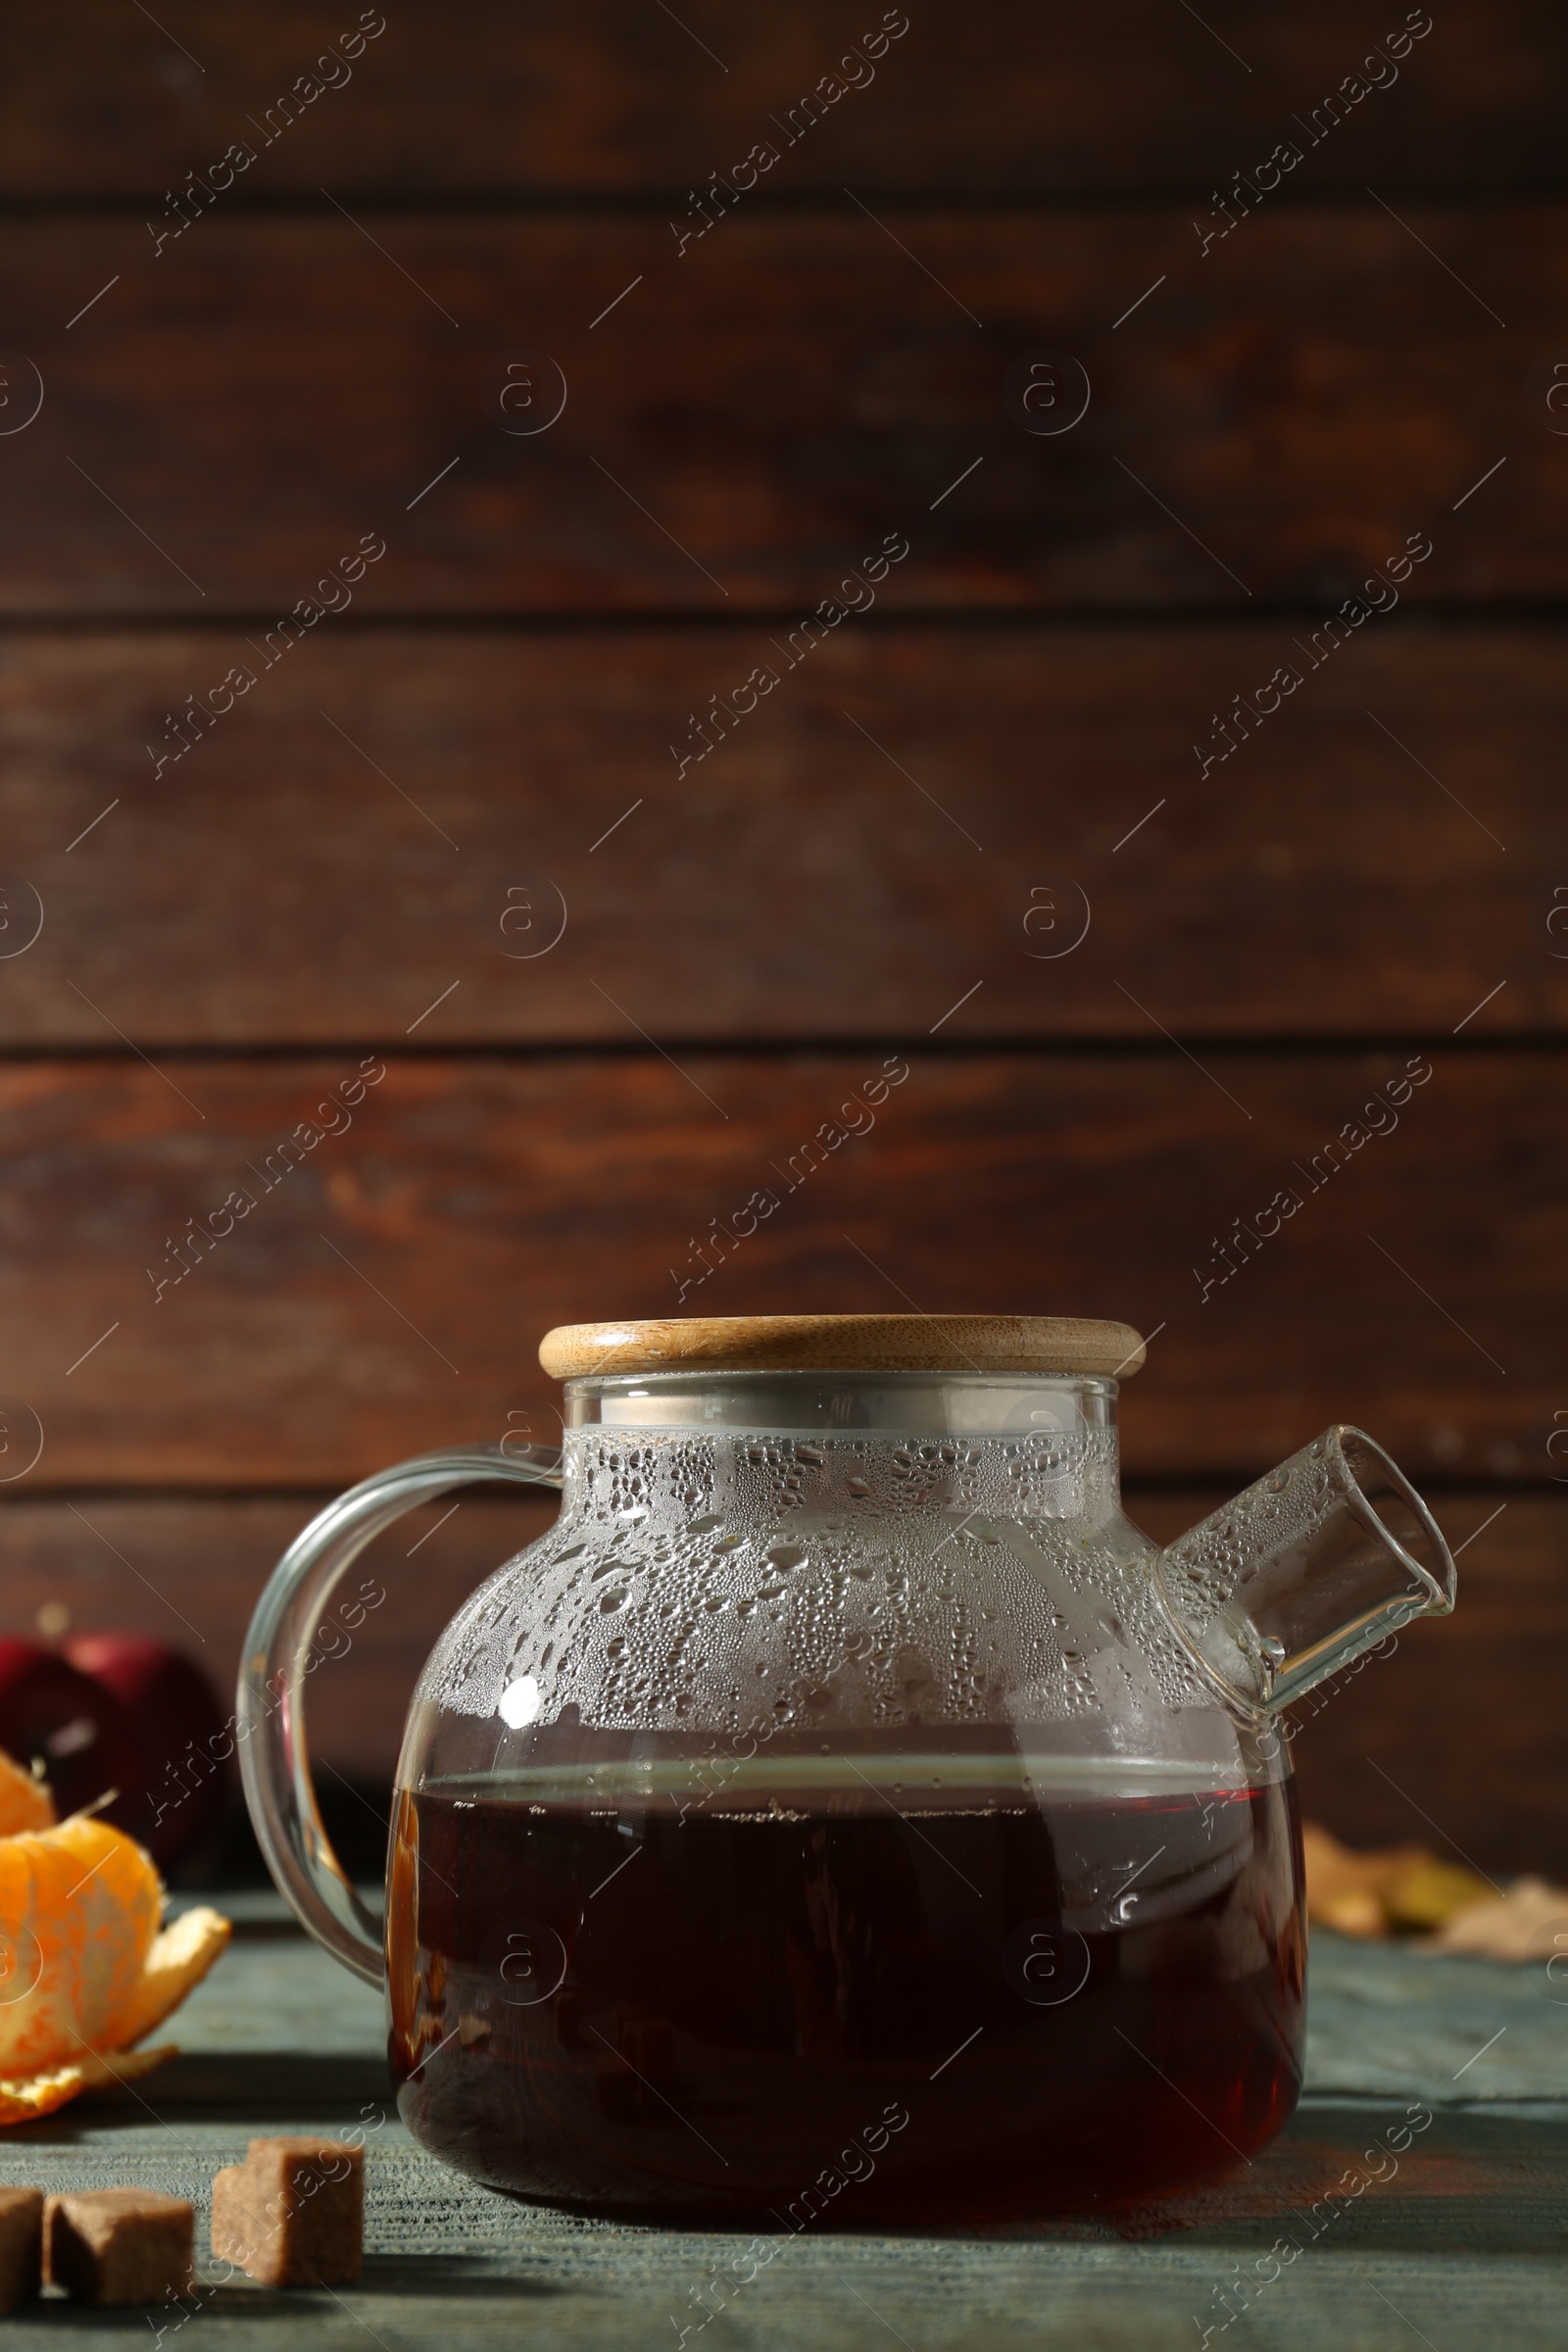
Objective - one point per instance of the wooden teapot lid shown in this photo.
(842, 1344)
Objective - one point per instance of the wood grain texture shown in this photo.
(892, 1343)
(387, 1290)
(1468, 2230)
(298, 878)
(1460, 1712)
(758, 416)
(607, 98)
(230, 415)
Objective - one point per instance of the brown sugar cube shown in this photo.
(21, 2245)
(118, 2245)
(293, 2213)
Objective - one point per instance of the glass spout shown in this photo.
(1317, 1562)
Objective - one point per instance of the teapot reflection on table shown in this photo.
(844, 1814)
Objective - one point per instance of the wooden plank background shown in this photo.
(602, 100)
(1304, 398)
(571, 1186)
(890, 832)
(984, 825)
(1317, 391)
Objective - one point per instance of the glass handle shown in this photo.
(281, 1652)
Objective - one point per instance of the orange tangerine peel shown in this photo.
(84, 1971)
(24, 2098)
(24, 1801)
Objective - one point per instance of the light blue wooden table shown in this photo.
(1464, 2247)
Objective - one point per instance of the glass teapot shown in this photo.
(844, 1813)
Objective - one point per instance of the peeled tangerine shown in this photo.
(84, 1972)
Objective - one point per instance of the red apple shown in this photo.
(186, 1782)
(70, 1725)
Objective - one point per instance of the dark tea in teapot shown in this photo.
(933, 1990)
(844, 1815)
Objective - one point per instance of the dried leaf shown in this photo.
(1429, 1893)
(1527, 1923)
